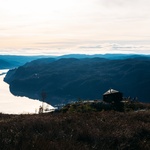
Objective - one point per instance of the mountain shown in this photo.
(11, 61)
(68, 79)
(4, 64)
(106, 56)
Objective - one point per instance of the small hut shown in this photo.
(112, 96)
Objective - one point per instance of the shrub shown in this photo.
(73, 131)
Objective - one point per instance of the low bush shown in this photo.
(103, 130)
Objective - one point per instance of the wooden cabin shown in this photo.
(112, 96)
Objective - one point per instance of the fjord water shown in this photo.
(11, 104)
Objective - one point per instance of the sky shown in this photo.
(57, 27)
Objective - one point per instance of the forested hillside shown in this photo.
(69, 79)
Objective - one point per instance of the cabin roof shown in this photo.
(110, 91)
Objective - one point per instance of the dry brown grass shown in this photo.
(105, 130)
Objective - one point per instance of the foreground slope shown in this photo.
(76, 131)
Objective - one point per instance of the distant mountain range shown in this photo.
(106, 56)
(74, 77)
(11, 61)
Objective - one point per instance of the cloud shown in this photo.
(91, 47)
(81, 47)
(139, 47)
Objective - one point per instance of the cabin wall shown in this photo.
(113, 97)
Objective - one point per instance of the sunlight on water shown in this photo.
(11, 104)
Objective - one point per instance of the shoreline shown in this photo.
(10, 104)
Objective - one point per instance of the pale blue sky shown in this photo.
(74, 26)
